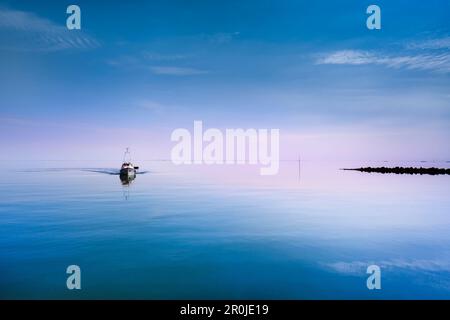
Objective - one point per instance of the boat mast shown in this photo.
(125, 155)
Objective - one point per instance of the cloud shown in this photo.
(440, 43)
(176, 71)
(145, 61)
(434, 61)
(25, 31)
(168, 63)
(354, 57)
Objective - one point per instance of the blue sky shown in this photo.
(137, 71)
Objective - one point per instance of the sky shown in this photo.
(137, 71)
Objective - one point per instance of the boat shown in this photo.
(127, 169)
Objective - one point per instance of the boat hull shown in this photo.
(127, 172)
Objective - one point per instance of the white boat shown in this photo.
(127, 169)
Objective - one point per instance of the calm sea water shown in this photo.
(222, 232)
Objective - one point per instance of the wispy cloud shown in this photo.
(173, 63)
(354, 57)
(145, 58)
(435, 62)
(440, 43)
(176, 71)
(27, 31)
(428, 55)
(146, 61)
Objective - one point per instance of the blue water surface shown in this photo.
(177, 234)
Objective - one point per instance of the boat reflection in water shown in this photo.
(127, 179)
